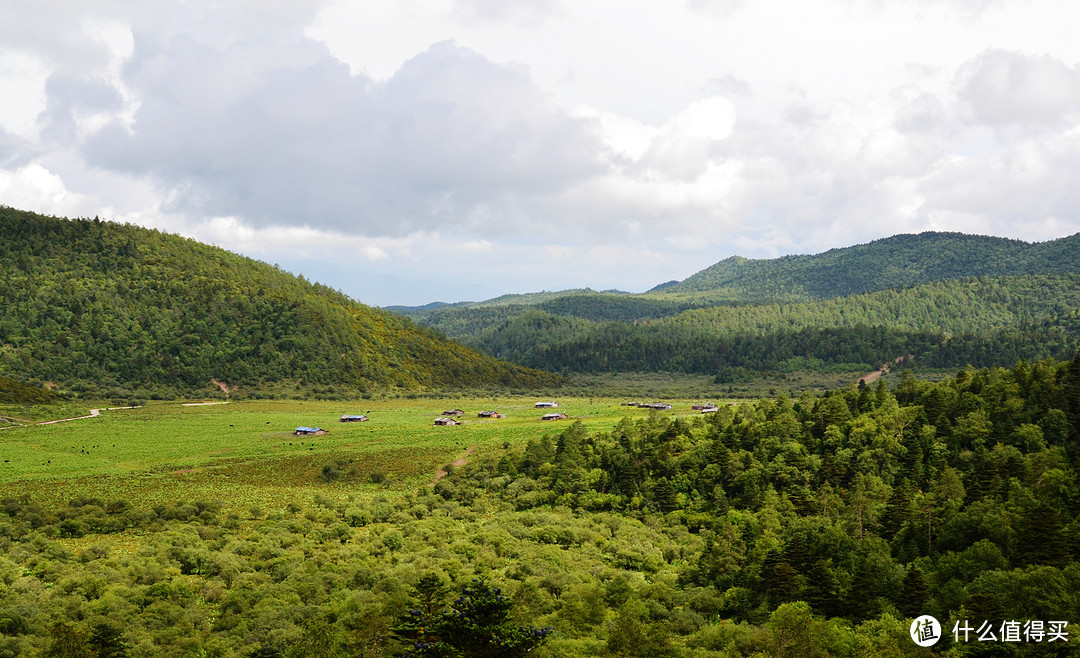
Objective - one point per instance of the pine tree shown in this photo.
(1040, 538)
(911, 600)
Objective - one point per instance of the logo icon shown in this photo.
(925, 631)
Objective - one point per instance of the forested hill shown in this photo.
(901, 260)
(116, 309)
(896, 262)
(945, 324)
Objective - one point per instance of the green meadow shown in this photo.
(243, 454)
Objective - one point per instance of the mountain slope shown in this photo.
(99, 306)
(981, 321)
(515, 325)
(901, 260)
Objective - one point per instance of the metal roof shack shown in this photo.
(559, 416)
(491, 414)
(453, 412)
(659, 406)
(309, 431)
(447, 421)
(544, 405)
(349, 418)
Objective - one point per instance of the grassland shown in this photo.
(243, 454)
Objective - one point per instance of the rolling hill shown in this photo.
(900, 260)
(950, 298)
(117, 310)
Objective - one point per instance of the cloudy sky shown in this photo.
(421, 150)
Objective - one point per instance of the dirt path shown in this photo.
(94, 413)
(871, 377)
(201, 404)
(460, 461)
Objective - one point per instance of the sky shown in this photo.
(420, 150)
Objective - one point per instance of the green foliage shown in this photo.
(13, 391)
(122, 311)
(809, 525)
(476, 624)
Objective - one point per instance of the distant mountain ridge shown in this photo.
(900, 260)
(113, 310)
(948, 298)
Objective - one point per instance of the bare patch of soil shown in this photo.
(871, 377)
(225, 388)
(460, 461)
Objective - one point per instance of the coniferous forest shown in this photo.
(813, 526)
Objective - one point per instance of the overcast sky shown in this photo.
(421, 150)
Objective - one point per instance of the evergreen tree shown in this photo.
(1040, 538)
(911, 600)
(476, 625)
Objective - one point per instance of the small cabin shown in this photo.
(710, 409)
(447, 421)
(491, 414)
(546, 405)
(309, 431)
(453, 412)
(559, 416)
(349, 418)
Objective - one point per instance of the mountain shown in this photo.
(943, 324)
(113, 310)
(948, 298)
(901, 260)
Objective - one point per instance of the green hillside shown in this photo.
(121, 310)
(947, 298)
(947, 324)
(901, 260)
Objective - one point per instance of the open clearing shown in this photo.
(244, 454)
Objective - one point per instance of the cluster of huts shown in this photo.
(453, 416)
(705, 408)
(656, 406)
(450, 416)
(304, 430)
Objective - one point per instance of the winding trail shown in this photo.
(94, 413)
(871, 377)
(460, 461)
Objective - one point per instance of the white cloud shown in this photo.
(503, 142)
(476, 245)
(34, 186)
(1005, 88)
(22, 86)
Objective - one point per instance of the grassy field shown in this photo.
(243, 454)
